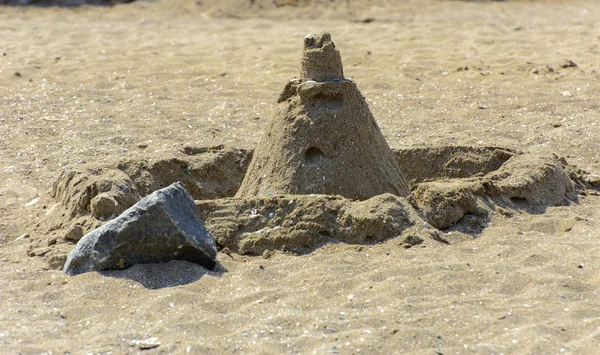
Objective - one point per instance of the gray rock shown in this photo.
(162, 226)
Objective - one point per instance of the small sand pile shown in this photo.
(524, 181)
(323, 139)
(300, 223)
(82, 200)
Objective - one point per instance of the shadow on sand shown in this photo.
(162, 275)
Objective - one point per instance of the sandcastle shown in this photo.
(322, 173)
(323, 138)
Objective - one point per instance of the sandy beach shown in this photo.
(92, 87)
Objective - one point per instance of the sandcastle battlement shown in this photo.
(321, 61)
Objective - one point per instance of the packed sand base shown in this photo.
(493, 252)
(500, 183)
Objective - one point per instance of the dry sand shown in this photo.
(89, 87)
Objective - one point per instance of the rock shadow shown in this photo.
(163, 275)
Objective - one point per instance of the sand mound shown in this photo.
(300, 223)
(323, 139)
(524, 181)
(206, 172)
(82, 200)
(103, 193)
(453, 162)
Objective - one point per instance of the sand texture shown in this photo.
(491, 113)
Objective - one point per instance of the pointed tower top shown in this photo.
(321, 61)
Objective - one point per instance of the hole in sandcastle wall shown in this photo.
(314, 156)
(519, 202)
(325, 233)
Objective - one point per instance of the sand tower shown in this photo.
(323, 138)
